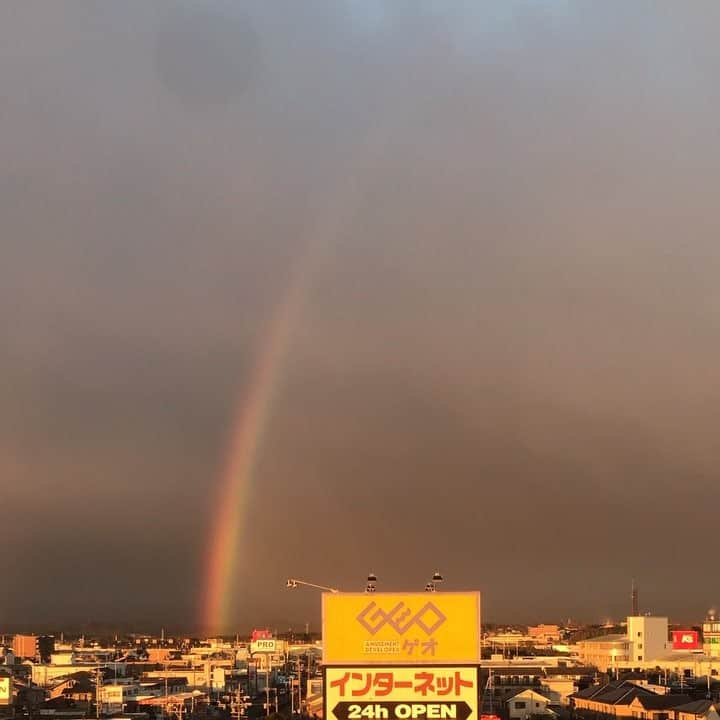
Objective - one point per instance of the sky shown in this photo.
(502, 362)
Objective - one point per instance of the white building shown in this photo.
(527, 703)
(648, 637)
(606, 652)
(645, 640)
(114, 697)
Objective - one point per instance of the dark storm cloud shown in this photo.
(207, 56)
(506, 363)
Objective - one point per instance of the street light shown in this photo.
(436, 579)
(293, 583)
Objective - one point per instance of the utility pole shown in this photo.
(490, 688)
(299, 667)
(267, 684)
(97, 692)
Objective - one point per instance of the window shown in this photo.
(537, 704)
(639, 646)
(639, 634)
(639, 658)
(519, 704)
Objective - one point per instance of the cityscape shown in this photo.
(642, 667)
(359, 359)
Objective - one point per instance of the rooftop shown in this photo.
(613, 637)
(697, 707)
(662, 702)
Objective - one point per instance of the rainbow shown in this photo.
(254, 410)
(251, 420)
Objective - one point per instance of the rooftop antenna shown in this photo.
(634, 595)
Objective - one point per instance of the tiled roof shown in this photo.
(697, 707)
(615, 693)
(662, 702)
(520, 691)
(570, 671)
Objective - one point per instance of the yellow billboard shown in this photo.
(401, 628)
(5, 690)
(401, 693)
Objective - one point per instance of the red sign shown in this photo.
(686, 640)
(261, 635)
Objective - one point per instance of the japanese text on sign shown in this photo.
(400, 693)
(381, 684)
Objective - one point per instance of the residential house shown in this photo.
(611, 699)
(656, 707)
(526, 704)
(697, 710)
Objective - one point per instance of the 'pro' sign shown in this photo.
(264, 645)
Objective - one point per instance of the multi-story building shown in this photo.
(711, 635)
(648, 637)
(544, 635)
(606, 652)
(33, 647)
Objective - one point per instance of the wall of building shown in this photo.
(604, 653)
(558, 690)
(589, 708)
(25, 646)
(711, 636)
(648, 637)
(712, 714)
(63, 658)
(544, 633)
(197, 679)
(44, 675)
(113, 697)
